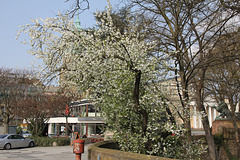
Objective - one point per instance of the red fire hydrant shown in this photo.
(78, 148)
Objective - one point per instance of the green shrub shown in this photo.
(63, 141)
(218, 140)
(47, 141)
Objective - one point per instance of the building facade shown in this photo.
(84, 118)
(169, 87)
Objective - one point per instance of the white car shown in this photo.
(8, 141)
(26, 134)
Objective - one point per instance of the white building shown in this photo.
(84, 119)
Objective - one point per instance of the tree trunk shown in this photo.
(6, 119)
(172, 119)
(66, 127)
(138, 109)
(199, 97)
(187, 125)
(208, 133)
(234, 120)
(6, 128)
(209, 138)
(184, 99)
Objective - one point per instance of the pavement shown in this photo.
(51, 153)
(42, 153)
(198, 132)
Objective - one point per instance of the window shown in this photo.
(11, 137)
(3, 136)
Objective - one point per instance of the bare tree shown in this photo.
(7, 85)
(186, 28)
(37, 109)
(78, 6)
(14, 85)
(231, 4)
(223, 78)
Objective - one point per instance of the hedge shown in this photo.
(47, 141)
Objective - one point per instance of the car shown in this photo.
(8, 141)
(26, 134)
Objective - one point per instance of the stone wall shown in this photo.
(95, 152)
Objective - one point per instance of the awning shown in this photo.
(77, 120)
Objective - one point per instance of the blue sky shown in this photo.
(13, 54)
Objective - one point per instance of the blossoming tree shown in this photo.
(118, 71)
